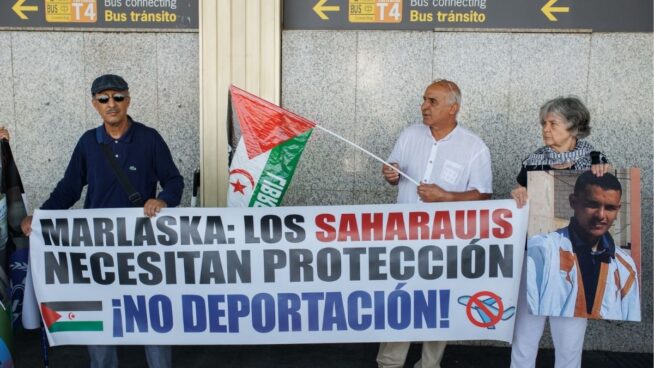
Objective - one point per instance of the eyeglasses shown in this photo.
(103, 99)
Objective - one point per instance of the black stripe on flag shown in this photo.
(80, 306)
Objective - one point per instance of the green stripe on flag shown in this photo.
(279, 169)
(76, 326)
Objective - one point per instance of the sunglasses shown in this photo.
(103, 99)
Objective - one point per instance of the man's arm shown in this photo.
(434, 193)
(391, 176)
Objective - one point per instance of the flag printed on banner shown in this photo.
(72, 316)
(474, 250)
(272, 141)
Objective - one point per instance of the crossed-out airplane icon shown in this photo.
(491, 305)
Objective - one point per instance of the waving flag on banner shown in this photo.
(13, 251)
(272, 140)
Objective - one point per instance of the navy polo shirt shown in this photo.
(142, 154)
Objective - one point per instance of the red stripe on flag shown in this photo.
(264, 125)
(49, 316)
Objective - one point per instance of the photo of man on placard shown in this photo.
(578, 270)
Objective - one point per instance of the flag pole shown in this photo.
(369, 154)
(262, 102)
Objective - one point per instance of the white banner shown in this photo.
(283, 275)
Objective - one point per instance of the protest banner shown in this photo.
(397, 272)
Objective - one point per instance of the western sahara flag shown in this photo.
(272, 140)
(72, 316)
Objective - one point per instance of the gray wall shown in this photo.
(368, 85)
(46, 100)
(364, 85)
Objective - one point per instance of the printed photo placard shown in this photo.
(583, 247)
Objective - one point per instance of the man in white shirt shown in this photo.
(452, 164)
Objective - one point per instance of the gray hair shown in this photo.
(455, 92)
(573, 111)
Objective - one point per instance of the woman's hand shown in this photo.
(520, 195)
(600, 169)
(4, 133)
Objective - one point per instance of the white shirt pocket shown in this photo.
(451, 172)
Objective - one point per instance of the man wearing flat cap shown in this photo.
(121, 162)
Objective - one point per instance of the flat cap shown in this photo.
(108, 81)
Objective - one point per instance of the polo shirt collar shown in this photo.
(102, 136)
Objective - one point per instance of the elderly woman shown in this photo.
(565, 121)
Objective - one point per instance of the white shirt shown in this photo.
(458, 162)
(554, 279)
